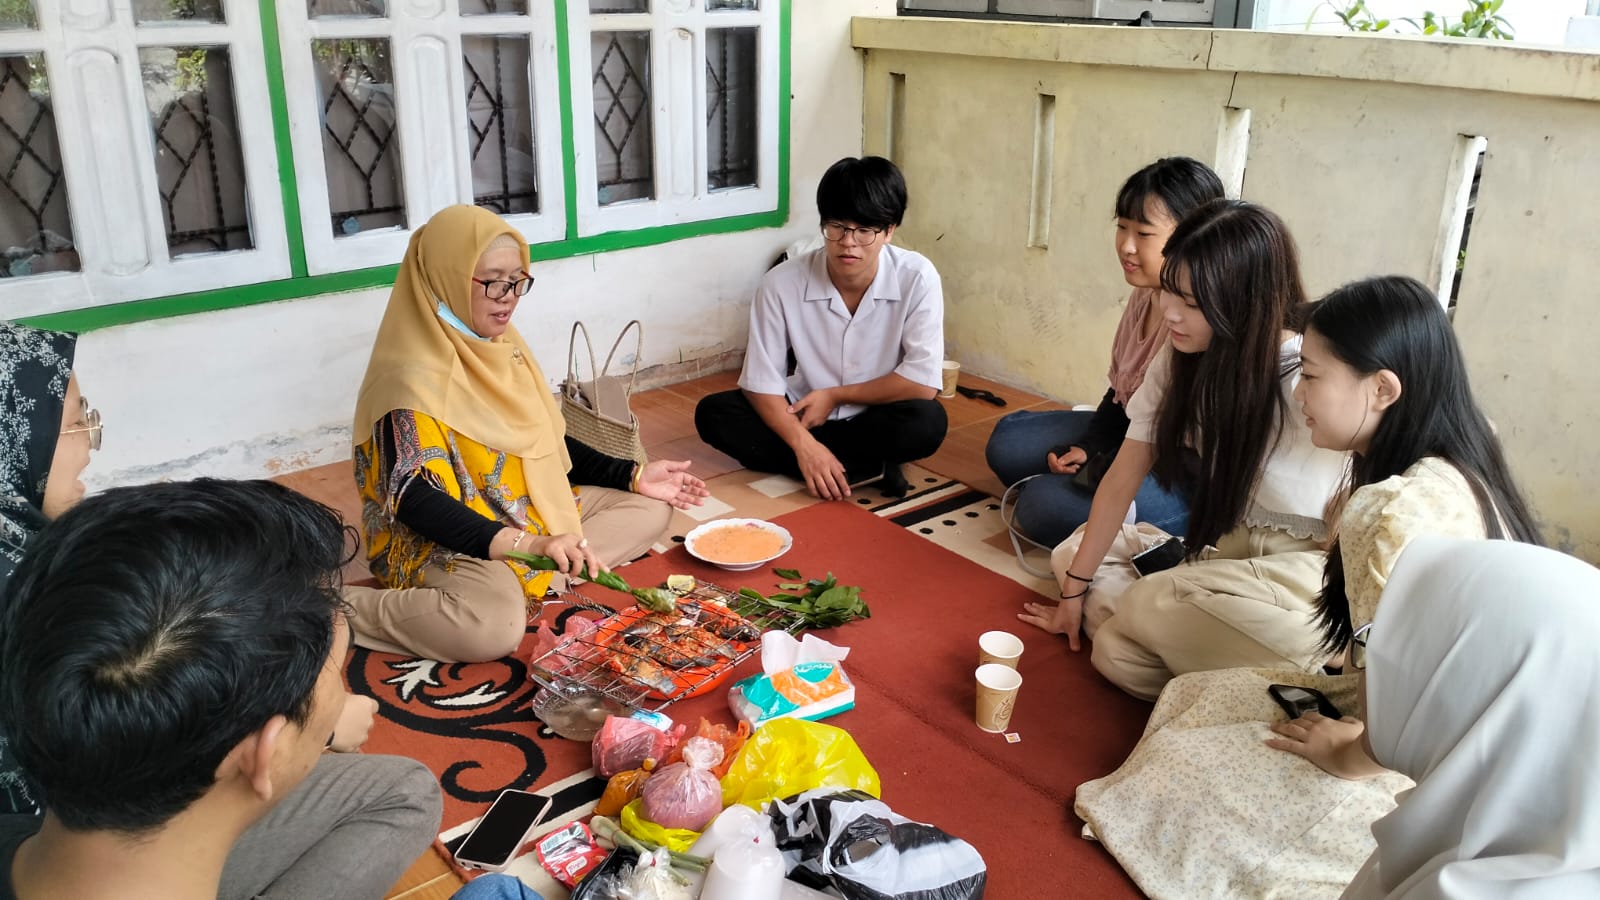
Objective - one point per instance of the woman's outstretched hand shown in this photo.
(1065, 618)
(1333, 744)
(670, 482)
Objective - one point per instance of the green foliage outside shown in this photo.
(1480, 19)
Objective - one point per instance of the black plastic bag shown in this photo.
(854, 843)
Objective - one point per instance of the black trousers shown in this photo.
(890, 433)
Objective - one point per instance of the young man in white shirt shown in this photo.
(172, 680)
(846, 344)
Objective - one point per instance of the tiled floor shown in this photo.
(666, 421)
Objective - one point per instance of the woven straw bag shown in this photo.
(597, 412)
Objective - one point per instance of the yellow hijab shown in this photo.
(492, 391)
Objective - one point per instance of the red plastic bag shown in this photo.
(546, 640)
(729, 739)
(686, 795)
(624, 744)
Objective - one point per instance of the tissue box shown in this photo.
(800, 679)
(808, 690)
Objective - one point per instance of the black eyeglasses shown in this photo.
(88, 420)
(1358, 647)
(494, 290)
(834, 231)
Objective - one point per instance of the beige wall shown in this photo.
(1351, 142)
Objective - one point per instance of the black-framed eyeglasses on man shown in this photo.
(864, 234)
(1358, 647)
(88, 420)
(494, 290)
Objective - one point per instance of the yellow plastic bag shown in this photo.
(787, 756)
(634, 823)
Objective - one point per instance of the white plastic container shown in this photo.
(737, 821)
(745, 869)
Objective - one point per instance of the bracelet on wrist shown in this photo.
(1082, 593)
(516, 544)
(1080, 578)
(633, 483)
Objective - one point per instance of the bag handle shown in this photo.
(572, 354)
(1008, 515)
(638, 351)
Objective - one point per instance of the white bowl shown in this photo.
(699, 530)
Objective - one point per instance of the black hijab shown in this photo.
(34, 368)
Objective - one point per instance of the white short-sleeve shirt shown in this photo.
(898, 327)
(1297, 477)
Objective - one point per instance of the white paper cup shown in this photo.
(1000, 647)
(997, 696)
(949, 372)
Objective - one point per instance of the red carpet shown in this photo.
(912, 664)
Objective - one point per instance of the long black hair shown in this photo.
(1180, 183)
(1396, 323)
(1226, 402)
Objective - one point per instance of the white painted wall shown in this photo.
(271, 388)
(1534, 21)
(1351, 141)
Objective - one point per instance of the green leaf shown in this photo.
(752, 593)
(791, 574)
(839, 598)
(792, 586)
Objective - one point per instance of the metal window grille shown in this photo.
(622, 118)
(360, 146)
(199, 166)
(730, 107)
(35, 226)
(499, 127)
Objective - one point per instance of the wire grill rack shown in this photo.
(627, 659)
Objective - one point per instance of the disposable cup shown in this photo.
(950, 370)
(997, 695)
(999, 647)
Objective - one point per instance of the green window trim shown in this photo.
(302, 285)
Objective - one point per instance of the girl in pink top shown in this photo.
(1068, 449)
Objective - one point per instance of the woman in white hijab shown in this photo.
(1483, 685)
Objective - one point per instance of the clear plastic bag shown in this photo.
(787, 756)
(729, 739)
(686, 795)
(625, 743)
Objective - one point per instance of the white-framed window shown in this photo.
(132, 164)
(675, 110)
(398, 109)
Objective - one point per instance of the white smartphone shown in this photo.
(502, 831)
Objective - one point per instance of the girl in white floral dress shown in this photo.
(1209, 803)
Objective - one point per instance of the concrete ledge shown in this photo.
(1466, 65)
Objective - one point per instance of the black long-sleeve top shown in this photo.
(1107, 427)
(451, 524)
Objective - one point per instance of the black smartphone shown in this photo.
(502, 831)
(1162, 556)
(1297, 701)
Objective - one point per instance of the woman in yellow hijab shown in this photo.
(461, 455)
